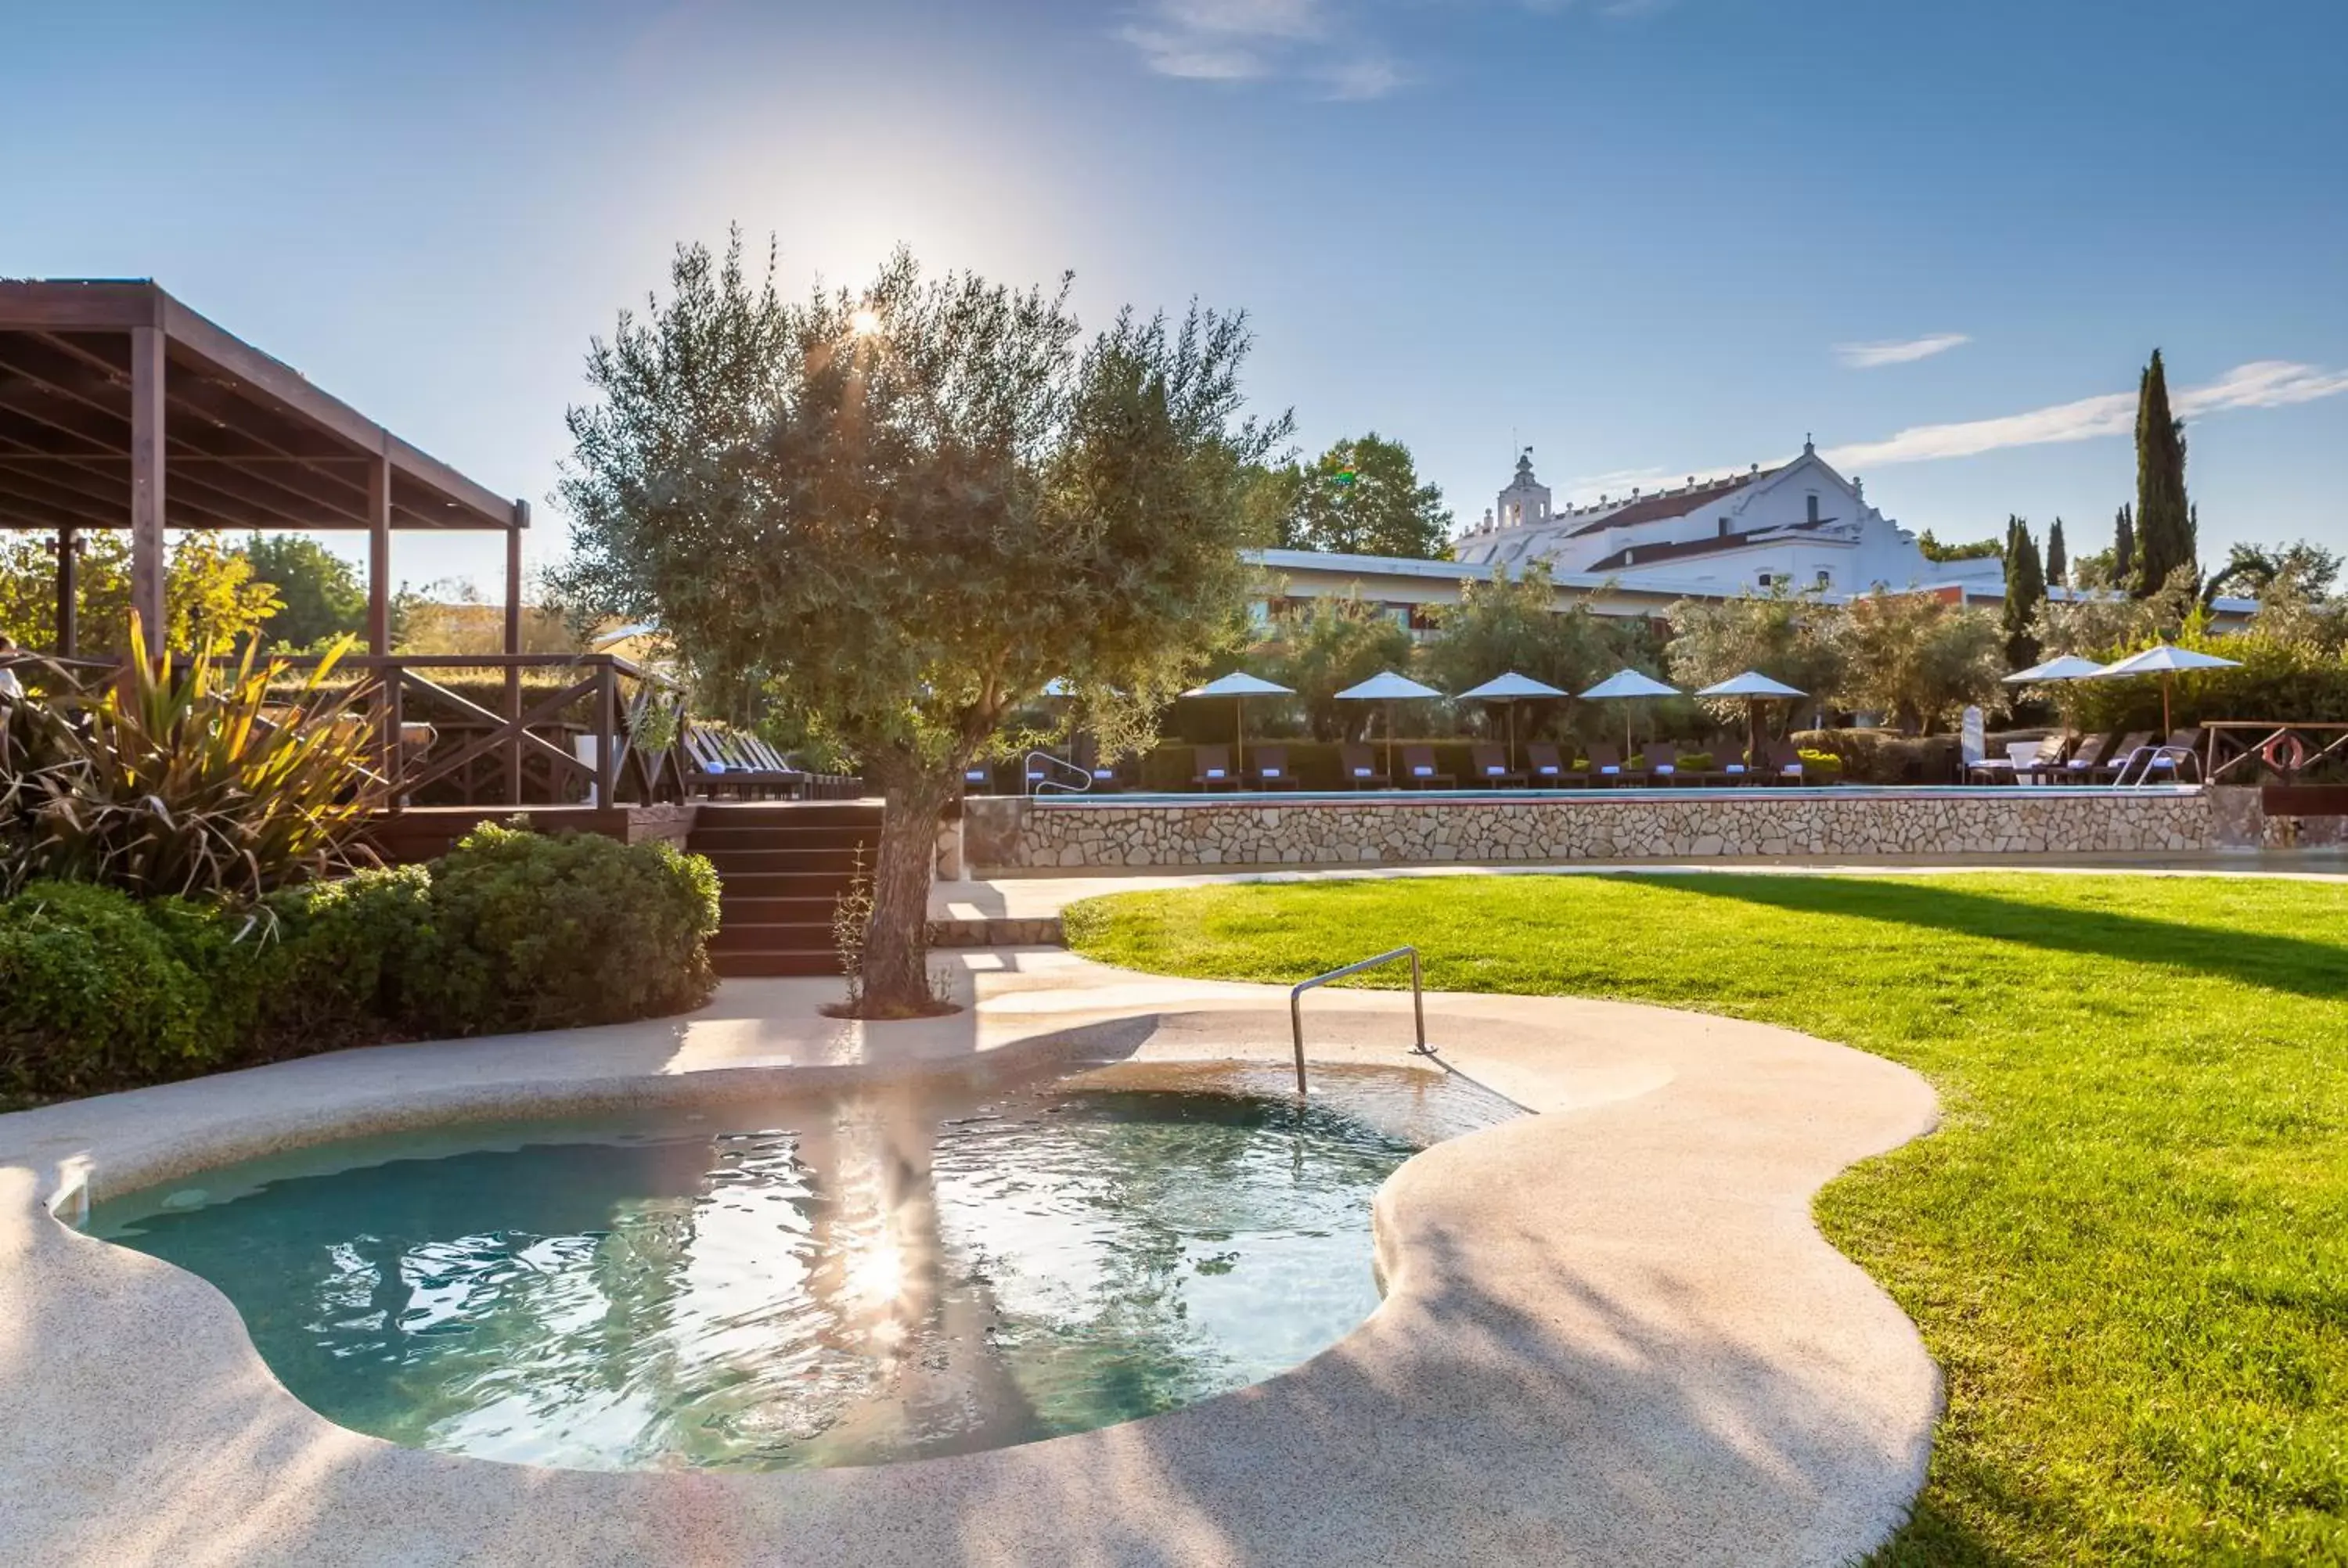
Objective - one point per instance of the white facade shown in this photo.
(1801, 526)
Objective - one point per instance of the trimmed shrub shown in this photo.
(339, 961)
(552, 931)
(510, 930)
(94, 994)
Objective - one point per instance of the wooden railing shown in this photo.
(2239, 751)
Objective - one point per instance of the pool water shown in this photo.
(836, 1283)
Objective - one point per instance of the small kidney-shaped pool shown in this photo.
(843, 1282)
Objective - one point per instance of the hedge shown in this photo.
(509, 930)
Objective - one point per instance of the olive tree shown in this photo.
(897, 513)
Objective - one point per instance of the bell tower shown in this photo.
(1526, 500)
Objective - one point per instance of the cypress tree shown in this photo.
(2164, 522)
(2025, 590)
(2058, 559)
(2124, 549)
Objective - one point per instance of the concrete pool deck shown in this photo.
(1611, 1332)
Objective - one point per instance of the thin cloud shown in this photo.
(1335, 50)
(1898, 351)
(2261, 384)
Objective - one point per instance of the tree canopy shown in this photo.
(1789, 636)
(2025, 590)
(320, 597)
(2164, 521)
(1333, 644)
(1922, 659)
(900, 512)
(1512, 624)
(1364, 497)
(210, 594)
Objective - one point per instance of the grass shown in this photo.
(2127, 1245)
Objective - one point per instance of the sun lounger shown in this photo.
(1419, 769)
(1549, 769)
(1211, 768)
(1491, 768)
(1785, 764)
(1361, 768)
(1661, 762)
(1268, 768)
(1606, 765)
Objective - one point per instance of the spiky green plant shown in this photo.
(199, 776)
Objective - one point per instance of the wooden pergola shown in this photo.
(122, 408)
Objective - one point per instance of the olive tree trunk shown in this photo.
(895, 971)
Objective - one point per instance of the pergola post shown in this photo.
(513, 650)
(378, 622)
(68, 549)
(146, 436)
(378, 522)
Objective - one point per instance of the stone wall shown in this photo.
(1011, 834)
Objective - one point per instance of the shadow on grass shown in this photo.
(2250, 957)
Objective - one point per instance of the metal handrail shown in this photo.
(1035, 783)
(2178, 759)
(1418, 1003)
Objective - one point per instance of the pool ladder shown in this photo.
(1418, 1003)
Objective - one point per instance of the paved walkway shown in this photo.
(1042, 895)
(1611, 1334)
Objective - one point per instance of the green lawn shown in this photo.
(2127, 1245)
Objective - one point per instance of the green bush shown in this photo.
(550, 931)
(96, 992)
(340, 961)
(510, 930)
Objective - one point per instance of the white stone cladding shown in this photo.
(1020, 835)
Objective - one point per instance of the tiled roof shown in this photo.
(1649, 555)
(1670, 504)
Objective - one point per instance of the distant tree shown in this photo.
(2105, 626)
(900, 513)
(2301, 569)
(453, 616)
(208, 593)
(2165, 522)
(2124, 547)
(1920, 659)
(1362, 497)
(1333, 643)
(1978, 549)
(1513, 624)
(2025, 590)
(2058, 559)
(320, 595)
(1789, 636)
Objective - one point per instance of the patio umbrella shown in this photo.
(1508, 689)
(1755, 689)
(1238, 686)
(2069, 667)
(2165, 661)
(1624, 685)
(1388, 688)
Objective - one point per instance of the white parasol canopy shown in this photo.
(1389, 688)
(1504, 688)
(2161, 659)
(2166, 661)
(1752, 683)
(1238, 686)
(1628, 684)
(2069, 667)
(1510, 689)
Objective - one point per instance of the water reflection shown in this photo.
(847, 1282)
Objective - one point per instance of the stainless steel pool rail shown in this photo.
(1418, 1003)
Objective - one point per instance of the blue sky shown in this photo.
(1648, 238)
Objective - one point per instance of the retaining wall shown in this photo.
(1011, 834)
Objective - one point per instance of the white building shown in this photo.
(1801, 526)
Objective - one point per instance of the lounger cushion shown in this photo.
(1362, 773)
(1666, 768)
(1422, 770)
(1610, 768)
(1272, 773)
(1546, 769)
(1214, 773)
(1493, 771)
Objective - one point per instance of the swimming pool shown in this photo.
(818, 1283)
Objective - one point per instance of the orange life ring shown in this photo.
(2283, 752)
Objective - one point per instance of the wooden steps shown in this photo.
(782, 867)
